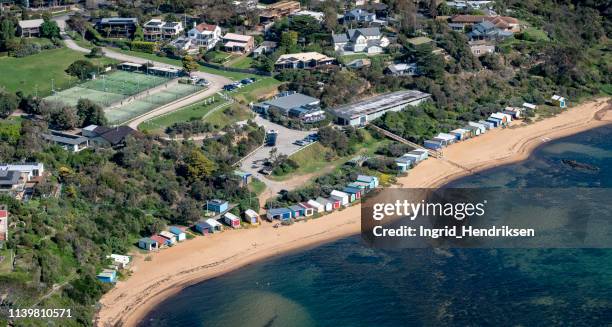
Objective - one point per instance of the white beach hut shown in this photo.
(316, 205)
(329, 206)
(231, 219)
(480, 126)
(251, 217)
(340, 196)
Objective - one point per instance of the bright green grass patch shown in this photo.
(34, 73)
(219, 57)
(189, 113)
(245, 62)
(314, 159)
(535, 34)
(262, 88)
(228, 116)
(256, 186)
(6, 265)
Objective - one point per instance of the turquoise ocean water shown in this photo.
(348, 284)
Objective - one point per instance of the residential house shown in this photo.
(157, 30)
(178, 233)
(231, 219)
(266, 47)
(238, 43)
(409, 69)
(294, 105)
(503, 23)
(479, 48)
(251, 216)
(204, 35)
(303, 60)
(29, 28)
(107, 276)
(117, 27)
(69, 142)
(488, 32)
(148, 244)
(279, 10)
(368, 40)
(18, 178)
(217, 206)
(359, 15)
(108, 136)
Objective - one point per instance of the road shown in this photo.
(284, 145)
(216, 82)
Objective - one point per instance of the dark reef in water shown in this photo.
(577, 165)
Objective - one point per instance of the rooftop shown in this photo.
(378, 103)
(291, 101)
(237, 37)
(31, 23)
(303, 56)
(64, 138)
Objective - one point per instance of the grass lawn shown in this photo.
(312, 159)
(35, 72)
(5, 264)
(256, 186)
(262, 88)
(244, 62)
(535, 34)
(192, 112)
(220, 57)
(229, 115)
(231, 75)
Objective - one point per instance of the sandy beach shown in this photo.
(170, 270)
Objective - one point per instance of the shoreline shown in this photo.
(202, 258)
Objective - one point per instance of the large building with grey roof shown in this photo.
(362, 112)
(295, 105)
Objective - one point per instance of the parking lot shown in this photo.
(285, 143)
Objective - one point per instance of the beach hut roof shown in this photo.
(296, 207)
(445, 136)
(175, 230)
(323, 201)
(278, 211)
(338, 193)
(314, 203)
(305, 205)
(366, 178)
(158, 239)
(213, 223)
(230, 216)
(529, 105)
(166, 234)
(251, 213)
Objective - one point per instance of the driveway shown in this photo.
(284, 145)
(216, 81)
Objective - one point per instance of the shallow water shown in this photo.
(348, 284)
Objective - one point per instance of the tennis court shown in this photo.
(135, 108)
(108, 89)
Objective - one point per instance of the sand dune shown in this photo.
(202, 258)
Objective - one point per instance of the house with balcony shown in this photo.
(279, 10)
(204, 35)
(117, 27)
(303, 60)
(366, 40)
(29, 28)
(157, 30)
(233, 42)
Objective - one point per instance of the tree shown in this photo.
(198, 166)
(96, 52)
(81, 69)
(189, 64)
(49, 29)
(8, 103)
(64, 118)
(78, 23)
(90, 113)
(330, 19)
(289, 40)
(138, 34)
(7, 33)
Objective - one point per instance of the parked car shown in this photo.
(229, 87)
(203, 82)
(246, 81)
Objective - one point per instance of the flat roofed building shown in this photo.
(302, 60)
(238, 42)
(69, 142)
(117, 26)
(361, 112)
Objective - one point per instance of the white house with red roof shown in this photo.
(205, 35)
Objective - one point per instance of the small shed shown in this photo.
(178, 233)
(372, 180)
(516, 113)
(327, 205)
(119, 260)
(422, 154)
(161, 240)
(245, 178)
(251, 217)
(501, 116)
(308, 209)
(495, 121)
(336, 203)
(354, 192)
(107, 276)
(433, 144)
(317, 206)
(558, 101)
(447, 139)
(148, 244)
(480, 126)
(403, 163)
(231, 219)
(528, 105)
(208, 226)
(359, 185)
(487, 124)
(278, 213)
(340, 196)
(460, 134)
(217, 205)
(296, 211)
(171, 238)
(474, 131)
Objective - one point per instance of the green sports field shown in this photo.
(135, 108)
(108, 89)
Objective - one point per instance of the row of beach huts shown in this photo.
(336, 200)
(473, 129)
